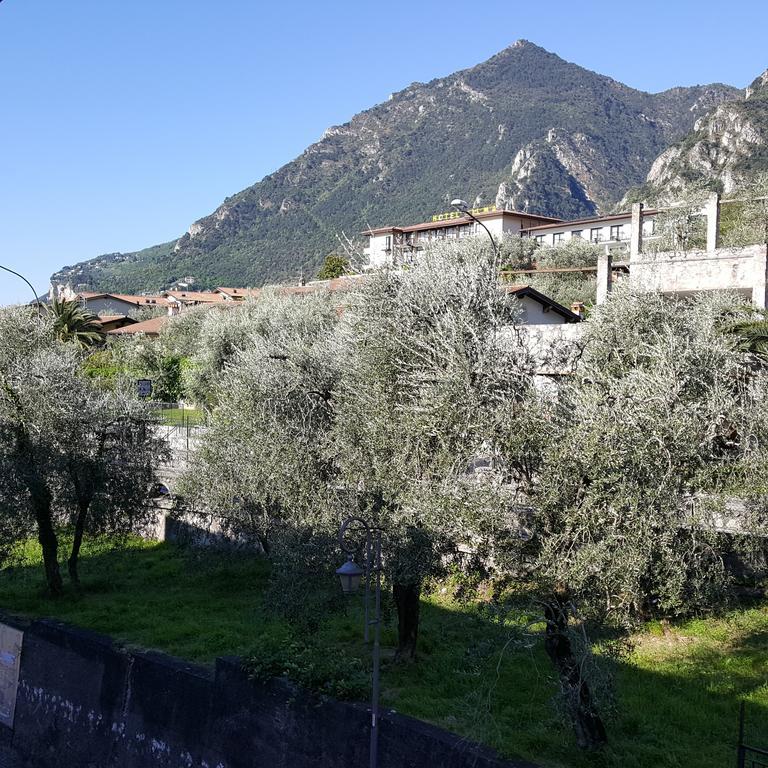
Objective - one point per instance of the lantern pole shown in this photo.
(461, 205)
(372, 581)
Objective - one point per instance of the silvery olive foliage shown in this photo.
(438, 398)
(265, 467)
(265, 453)
(408, 401)
(659, 438)
(745, 221)
(568, 287)
(680, 228)
(517, 252)
(413, 401)
(72, 455)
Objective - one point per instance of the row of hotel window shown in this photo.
(451, 233)
(617, 233)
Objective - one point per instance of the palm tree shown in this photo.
(73, 322)
(751, 333)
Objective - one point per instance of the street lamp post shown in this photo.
(463, 206)
(31, 288)
(350, 574)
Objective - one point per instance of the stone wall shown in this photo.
(737, 269)
(84, 701)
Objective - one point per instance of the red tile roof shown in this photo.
(191, 297)
(139, 301)
(149, 327)
(461, 220)
(250, 293)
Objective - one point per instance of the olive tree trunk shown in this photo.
(40, 500)
(77, 541)
(589, 728)
(407, 601)
(46, 535)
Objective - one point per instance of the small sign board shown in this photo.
(10, 657)
(460, 214)
(144, 388)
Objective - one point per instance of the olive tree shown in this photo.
(680, 228)
(210, 339)
(386, 405)
(265, 467)
(265, 457)
(438, 383)
(109, 466)
(568, 287)
(72, 455)
(745, 221)
(662, 425)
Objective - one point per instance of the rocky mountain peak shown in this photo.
(726, 147)
(525, 127)
(759, 87)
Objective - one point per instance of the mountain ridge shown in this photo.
(725, 150)
(524, 129)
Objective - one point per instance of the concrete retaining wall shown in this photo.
(84, 701)
(737, 269)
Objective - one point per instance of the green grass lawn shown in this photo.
(678, 690)
(181, 417)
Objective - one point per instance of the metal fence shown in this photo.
(749, 756)
(176, 415)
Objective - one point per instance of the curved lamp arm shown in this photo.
(460, 205)
(343, 530)
(31, 288)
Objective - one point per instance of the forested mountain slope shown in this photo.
(524, 129)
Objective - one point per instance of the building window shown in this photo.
(557, 237)
(649, 227)
(539, 239)
(388, 243)
(616, 232)
(595, 235)
(577, 233)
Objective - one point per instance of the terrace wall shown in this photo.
(83, 700)
(735, 269)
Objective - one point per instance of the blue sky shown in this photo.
(124, 121)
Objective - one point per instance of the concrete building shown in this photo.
(741, 270)
(395, 246)
(684, 272)
(614, 231)
(630, 249)
(538, 309)
(109, 304)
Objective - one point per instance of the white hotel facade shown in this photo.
(623, 237)
(395, 246)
